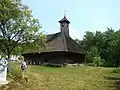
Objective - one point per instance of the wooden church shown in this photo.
(63, 49)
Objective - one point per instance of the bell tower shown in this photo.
(64, 26)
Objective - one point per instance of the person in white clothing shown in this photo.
(23, 65)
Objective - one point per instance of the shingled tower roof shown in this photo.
(64, 20)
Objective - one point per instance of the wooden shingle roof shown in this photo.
(58, 42)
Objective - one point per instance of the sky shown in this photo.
(84, 15)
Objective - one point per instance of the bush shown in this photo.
(97, 61)
(15, 72)
(116, 70)
(90, 64)
(91, 54)
(107, 64)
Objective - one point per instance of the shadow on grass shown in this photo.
(116, 81)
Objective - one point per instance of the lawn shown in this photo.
(70, 78)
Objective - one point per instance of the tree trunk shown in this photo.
(8, 59)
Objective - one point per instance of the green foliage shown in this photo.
(37, 45)
(88, 40)
(88, 57)
(91, 54)
(107, 64)
(106, 44)
(116, 70)
(97, 60)
(17, 27)
(15, 72)
(93, 57)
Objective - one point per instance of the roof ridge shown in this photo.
(65, 42)
(73, 46)
(52, 36)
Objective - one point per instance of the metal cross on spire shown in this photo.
(65, 11)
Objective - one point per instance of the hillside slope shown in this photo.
(48, 78)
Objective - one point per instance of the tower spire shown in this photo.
(64, 25)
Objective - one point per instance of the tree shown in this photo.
(91, 54)
(107, 45)
(37, 45)
(88, 40)
(96, 60)
(17, 26)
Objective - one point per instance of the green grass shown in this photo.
(77, 78)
